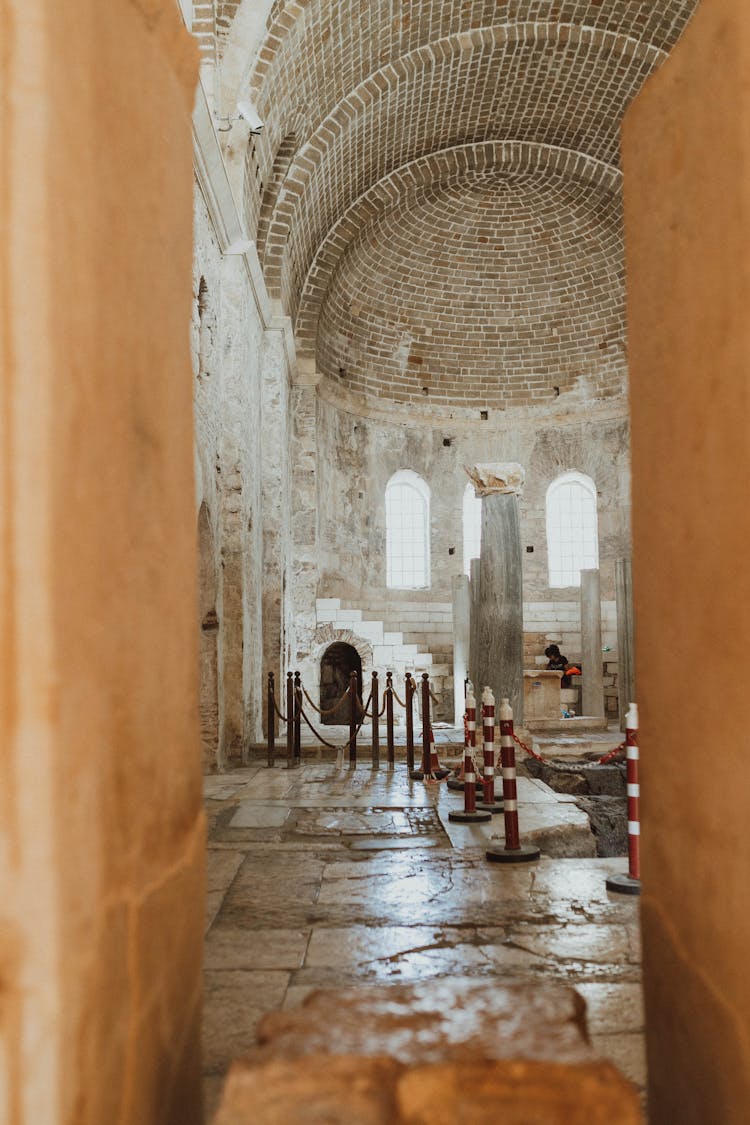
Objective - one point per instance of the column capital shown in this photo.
(496, 476)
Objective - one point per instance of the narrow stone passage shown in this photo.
(321, 878)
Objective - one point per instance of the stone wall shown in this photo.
(358, 455)
(687, 209)
(102, 829)
(227, 347)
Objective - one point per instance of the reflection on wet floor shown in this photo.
(323, 877)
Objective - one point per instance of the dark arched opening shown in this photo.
(336, 666)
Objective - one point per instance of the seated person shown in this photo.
(559, 663)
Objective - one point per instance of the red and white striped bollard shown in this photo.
(630, 884)
(489, 802)
(470, 814)
(514, 851)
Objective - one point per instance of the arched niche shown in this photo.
(336, 666)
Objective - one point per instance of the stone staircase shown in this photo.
(411, 637)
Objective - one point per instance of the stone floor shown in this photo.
(323, 876)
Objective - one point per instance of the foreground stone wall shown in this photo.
(101, 864)
(687, 214)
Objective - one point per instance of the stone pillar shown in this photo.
(303, 587)
(499, 630)
(625, 664)
(278, 361)
(592, 702)
(461, 631)
(474, 621)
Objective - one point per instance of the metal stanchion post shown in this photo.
(630, 884)
(290, 761)
(410, 690)
(374, 709)
(389, 720)
(353, 717)
(271, 720)
(423, 770)
(514, 851)
(297, 718)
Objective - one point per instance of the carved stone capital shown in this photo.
(496, 476)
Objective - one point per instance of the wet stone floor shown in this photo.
(321, 877)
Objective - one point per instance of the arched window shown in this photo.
(407, 525)
(472, 521)
(572, 539)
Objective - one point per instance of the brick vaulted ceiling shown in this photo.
(436, 193)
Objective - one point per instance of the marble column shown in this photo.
(592, 702)
(625, 661)
(461, 628)
(473, 624)
(499, 630)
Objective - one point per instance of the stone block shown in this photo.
(327, 603)
(370, 630)
(428, 1054)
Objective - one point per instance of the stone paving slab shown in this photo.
(364, 882)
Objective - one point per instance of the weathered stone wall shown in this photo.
(687, 210)
(357, 456)
(227, 346)
(101, 825)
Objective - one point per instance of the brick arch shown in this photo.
(542, 83)
(327, 635)
(303, 31)
(448, 166)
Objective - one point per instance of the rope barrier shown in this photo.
(276, 709)
(381, 712)
(327, 710)
(332, 745)
(554, 766)
(435, 698)
(398, 699)
(325, 741)
(612, 754)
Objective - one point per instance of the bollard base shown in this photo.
(624, 884)
(436, 775)
(458, 786)
(496, 807)
(461, 817)
(525, 854)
